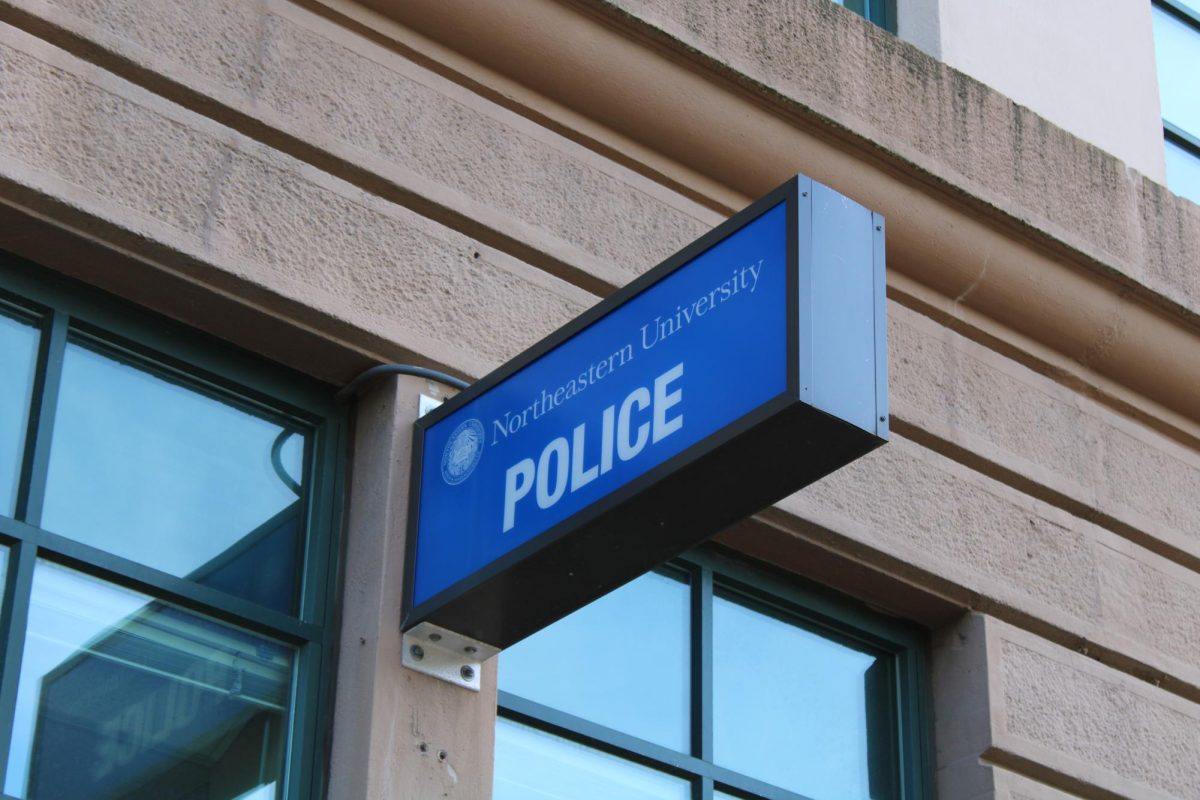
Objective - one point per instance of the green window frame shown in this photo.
(65, 311)
(712, 572)
(881, 12)
(1181, 138)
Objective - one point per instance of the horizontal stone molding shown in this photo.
(97, 154)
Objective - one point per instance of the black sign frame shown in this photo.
(670, 508)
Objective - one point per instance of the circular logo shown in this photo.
(462, 452)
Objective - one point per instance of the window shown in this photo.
(713, 679)
(166, 511)
(1177, 51)
(881, 12)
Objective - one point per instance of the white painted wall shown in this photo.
(1085, 65)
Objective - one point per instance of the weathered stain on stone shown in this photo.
(960, 127)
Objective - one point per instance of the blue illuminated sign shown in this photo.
(531, 488)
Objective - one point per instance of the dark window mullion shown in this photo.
(303, 731)
(1180, 11)
(180, 591)
(915, 747)
(13, 618)
(632, 748)
(702, 664)
(1181, 137)
(318, 573)
(35, 467)
(882, 13)
(578, 729)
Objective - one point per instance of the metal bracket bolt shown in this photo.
(445, 655)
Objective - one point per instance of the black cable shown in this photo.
(277, 461)
(351, 388)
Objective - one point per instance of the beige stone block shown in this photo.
(1154, 603)
(950, 383)
(405, 116)
(59, 123)
(220, 40)
(962, 710)
(276, 228)
(1057, 725)
(384, 262)
(1171, 238)
(1153, 478)
(950, 521)
(1088, 724)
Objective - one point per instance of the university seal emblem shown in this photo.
(462, 452)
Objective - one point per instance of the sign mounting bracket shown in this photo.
(445, 655)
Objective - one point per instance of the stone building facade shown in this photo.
(297, 191)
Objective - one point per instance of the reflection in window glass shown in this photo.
(531, 764)
(158, 473)
(593, 663)
(3, 569)
(795, 709)
(124, 697)
(1177, 50)
(18, 359)
(1183, 172)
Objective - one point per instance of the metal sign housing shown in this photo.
(742, 368)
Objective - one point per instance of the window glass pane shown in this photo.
(1183, 172)
(1177, 49)
(532, 765)
(798, 710)
(124, 697)
(593, 663)
(18, 359)
(3, 569)
(159, 473)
